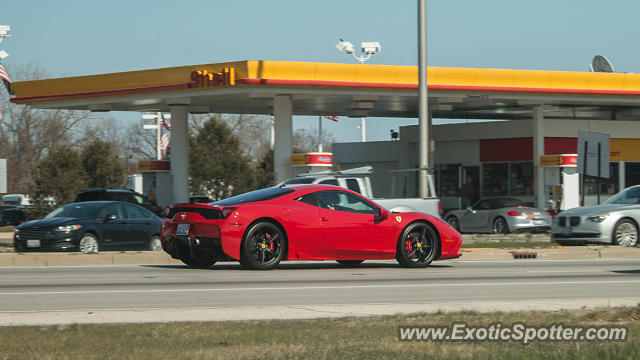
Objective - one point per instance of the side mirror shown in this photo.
(469, 209)
(383, 215)
(110, 217)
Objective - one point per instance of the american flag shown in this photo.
(4, 75)
(332, 117)
(164, 123)
(164, 143)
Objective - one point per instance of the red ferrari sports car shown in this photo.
(303, 222)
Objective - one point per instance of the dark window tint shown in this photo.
(119, 196)
(309, 199)
(76, 211)
(134, 212)
(330, 182)
(343, 201)
(299, 181)
(253, 196)
(91, 196)
(482, 205)
(352, 184)
(115, 209)
(504, 203)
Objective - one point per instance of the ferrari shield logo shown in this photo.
(183, 215)
(398, 218)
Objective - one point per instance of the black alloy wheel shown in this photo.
(263, 247)
(417, 246)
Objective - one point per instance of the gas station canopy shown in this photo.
(344, 89)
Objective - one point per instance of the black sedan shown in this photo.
(89, 227)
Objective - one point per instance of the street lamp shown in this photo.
(158, 127)
(367, 48)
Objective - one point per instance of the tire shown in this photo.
(500, 226)
(89, 244)
(415, 238)
(625, 233)
(453, 221)
(200, 260)
(263, 247)
(349, 263)
(154, 244)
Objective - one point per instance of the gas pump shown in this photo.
(561, 182)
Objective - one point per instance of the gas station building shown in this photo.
(530, 156)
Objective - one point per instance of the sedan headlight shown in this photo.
(597, 218)
(68, 228)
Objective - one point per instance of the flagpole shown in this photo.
(158, 136)
(320, 133)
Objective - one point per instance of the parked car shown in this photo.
(499, 215)
(99, 194)
(89, 227)
(616, 221)
(11, 215)
(303, 222)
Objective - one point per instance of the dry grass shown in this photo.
(345, 338)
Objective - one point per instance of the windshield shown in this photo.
(628, 196)
(252, 196)
(76, 211)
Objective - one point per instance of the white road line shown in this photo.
(317, 287)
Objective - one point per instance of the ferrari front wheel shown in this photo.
(417, 246)
(263, 247)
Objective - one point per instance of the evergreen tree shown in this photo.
(218, 168)
(102, 168)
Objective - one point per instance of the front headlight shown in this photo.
(597, 218)
(68, 228)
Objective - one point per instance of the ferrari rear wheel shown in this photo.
(350, 262)
(263, 247)
(417, 246)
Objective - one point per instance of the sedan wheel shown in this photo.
(88, 244)
(417, 246)
(453, 221)
(155, 244)
(625, 233)
(263, 247)
(500, 226)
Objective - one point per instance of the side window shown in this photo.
(483, 205)
(117, 196)
(113, 209)
(309, 199)
(352, 184)
(343, 201)
(134, 212)
(329, 182)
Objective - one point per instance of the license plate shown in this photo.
(33, 243)
(537, 222)
(183, 229)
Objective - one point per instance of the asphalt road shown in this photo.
(48, 295)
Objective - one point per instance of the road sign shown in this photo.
(593, 154)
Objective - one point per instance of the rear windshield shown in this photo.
(76, 211)
(253, 196)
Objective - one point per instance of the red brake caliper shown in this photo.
(268, 236)
(408, 244)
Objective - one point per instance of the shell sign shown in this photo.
(312, 159)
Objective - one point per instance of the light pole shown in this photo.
(158, 127)
(368, 49)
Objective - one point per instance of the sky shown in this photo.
(81, 37)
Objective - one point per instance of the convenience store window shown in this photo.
(607, 186)
(631, 173)
(495, 179)
(448, 180)
(521, 179)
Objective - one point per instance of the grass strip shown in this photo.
(341, 338)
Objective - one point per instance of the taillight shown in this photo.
(440, 209)
(514, 213)
(226, 212)
(167, 210)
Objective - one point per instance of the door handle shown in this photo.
(324, 219)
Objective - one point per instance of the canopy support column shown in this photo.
(180, 153)
(538, 150)
(283, 145)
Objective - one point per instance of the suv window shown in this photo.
(91, 196)
(134, 212)
(329, 182)
(113, 209)
(352, 184)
